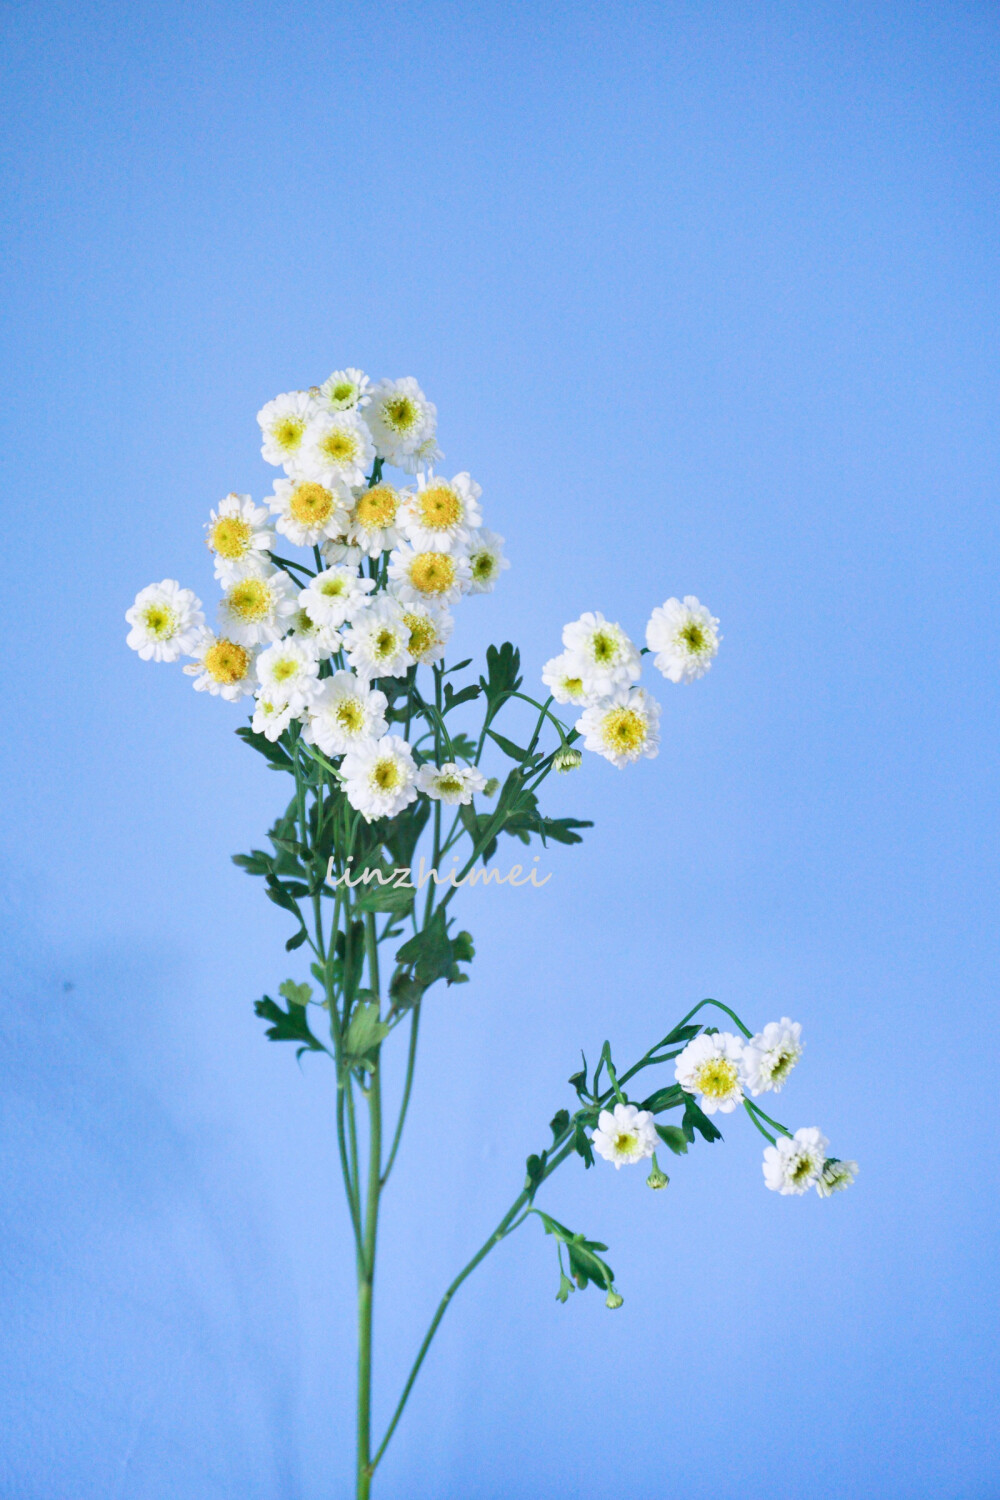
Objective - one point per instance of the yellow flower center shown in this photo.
(311, 504)
(400, 413)
(342, 392)
(624, 729)
(483, 566)
(230, 537)
(573, 686)
(385, 644)
(160, 621)
(377, 507)
(226, 662)
(782, 1066)
(450, 785)
(439, 507)
(284, 668)
(802, 1169)
(625, 1142)
(423, 635)
(339, 445)
(386, 775)
(334, 588)
(287, 433)
(694, 637)
(604, 646)
(349, 715)
(717, 1077)
(250, 600)
(432, 572)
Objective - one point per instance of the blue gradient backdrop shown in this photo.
(706, 296)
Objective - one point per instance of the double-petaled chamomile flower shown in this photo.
(402, 422)
(711, 1067)
(222, 667)
(239, 535)
(377, 643)
(345, 713)
(379, 777)
(623, 727)
(288, 670)
(607, 658)
(166, 620)
(308, 512)
(486, 561)
(344, 390)
(441, 514)
(563, 678)
(429, 577)
(372, 525)
(430, 628)
(450, 783)
(685, 638)
(320, 640)
(835, 1176)
(257, 610)
(335, 595)
(795, 1163)
(336, 450)
(283, 424)
(770, 1056)
(272, 716)
(625, 1135)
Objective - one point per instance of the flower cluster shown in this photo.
(600, 667)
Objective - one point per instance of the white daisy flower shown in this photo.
(607, 657)
(401, 421)
(796, 1163)
(430, 628)
(486, 560)
(380, 777)
(272, 716)
(344, 713)
(256, 610)
(222, 668)
(319, 640)
(335, 595)
(239, 535)
(836, 1176)
(373, 523)
(283, 423)
(288, 670)
(450, 783)
(563, 676)
(345, 389)
(442, 513)
(770, 1056)
(685, 638)
(377, 643)
(426, 455)
(308, 512)
(429, 577)
(337, 450)
(625, 1135)
(710, 1066)
(623, 727)
(166, 621)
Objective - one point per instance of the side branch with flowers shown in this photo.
(343, 655)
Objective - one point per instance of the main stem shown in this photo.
(366, 1261)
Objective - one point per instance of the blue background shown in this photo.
(706, 298)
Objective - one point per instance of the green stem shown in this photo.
(407, 1087)
(366, 1276)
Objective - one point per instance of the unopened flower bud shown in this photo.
(567, 759)
(492, 787)
(614, 1299)
(657, 1179)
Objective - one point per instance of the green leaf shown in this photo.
(696, 1119)
(464, 748)
(255, 863)
(502, 667)
(404, 990)
(534, 1172)
(364, 1035)
(582, 1145)
(584, 1262)
(296, 941)
(579, 1080)
(665, 1098)
(273, 753)
(681, 1034)
(464, 695)
(287, 1025)
(565, 1287)
(463, 948)
(387, 898)
(458, 667)
(508, 747)
(674, 1137)
(295, 994)
(403, 832)
(280, 896)
(559, 1123)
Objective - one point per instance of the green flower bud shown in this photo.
(492, 787)
(657, 1177)
(567, 760)
(613, 1299)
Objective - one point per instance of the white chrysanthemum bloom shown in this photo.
(430, 627)
(166, 621)
(835, 1176)
(336, 450)
(288, 670)
(429, 577)
(257, 610)
(222, 668)
(685, 638)
(795, 1164)
(450, 783)
(308, 512)
(272, 716)
(240, 535)
(283, 423)
(345, 389)
(426, 455)
(607, 657)
(373, 523)
(377, 643)
(770, 1056)
(625, 1135)
(319, 640)
(442, 514)
(335, 595)
(486, 561)
(623, 727)
(710, 1066)
(402, 421)
(563, 676)
(345, 713)
(380, 777)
